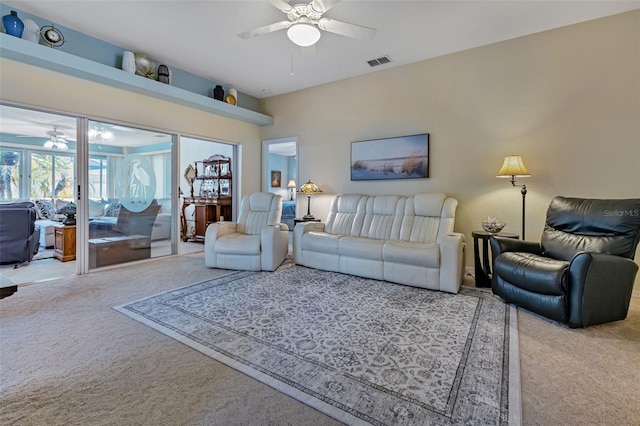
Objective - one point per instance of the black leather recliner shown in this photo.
(582, 272)
(19, 235)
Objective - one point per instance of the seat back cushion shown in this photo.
(383, 217)
(257, 210)
(346, 214)
(574, 225)
(137, 223)
(423, 217)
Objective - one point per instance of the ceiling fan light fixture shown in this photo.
(102, 133)
(56, 143)
(303, 35)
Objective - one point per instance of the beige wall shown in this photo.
(32, 86)
(567, 100)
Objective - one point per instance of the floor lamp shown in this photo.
(309, 189)
(513, 168)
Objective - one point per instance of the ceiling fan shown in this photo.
(305, 22)
(56, 141)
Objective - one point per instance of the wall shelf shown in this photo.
(45, 57)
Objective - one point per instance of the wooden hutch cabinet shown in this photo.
(214, 200)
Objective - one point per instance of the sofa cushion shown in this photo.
(425, 255)
(238, 244)
(321, 242)
(533, 273)
(422, 219)
(112, 209)
(96, 208)
(363, 248)
(257, 210)
(383, 217)
(346, 214)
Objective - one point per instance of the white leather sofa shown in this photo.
(405, 240)
(257, 241)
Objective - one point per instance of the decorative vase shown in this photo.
(31, 31)
(129, 62)
(164, 76)
(232, 96)
(12, 24)
(218, 93)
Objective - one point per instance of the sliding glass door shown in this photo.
(104, 191)
(129, 197)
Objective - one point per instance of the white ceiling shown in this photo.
(38, 124)
(201, 36)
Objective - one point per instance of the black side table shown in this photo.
(483, 269)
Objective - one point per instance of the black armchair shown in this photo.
(19, 235)
(582, 272)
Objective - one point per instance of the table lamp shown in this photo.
(291, 185)
(513, 168)
(309, 189)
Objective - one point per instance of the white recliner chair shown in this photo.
(257, 241)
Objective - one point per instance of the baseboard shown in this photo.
(469, 272)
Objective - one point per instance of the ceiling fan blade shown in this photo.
(282, 5)
(346, 29)
(323, 5)
(265, 30)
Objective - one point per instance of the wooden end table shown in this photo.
(64, 243)
(483, 268)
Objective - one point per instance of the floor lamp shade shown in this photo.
(512, 168)
(309, 189)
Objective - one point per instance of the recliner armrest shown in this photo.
(452, 261)
(298, 232)
(282, 227)
(274, 246)
(218, 229)
(501, 245)
(600, 287)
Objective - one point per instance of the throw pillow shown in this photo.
(112, 209)
(96, 208)
(45, 209)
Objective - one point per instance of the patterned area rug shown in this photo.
(360, 350)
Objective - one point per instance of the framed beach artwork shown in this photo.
(403, 157)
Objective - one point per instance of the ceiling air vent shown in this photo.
(379, 61)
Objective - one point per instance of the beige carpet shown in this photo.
(66, 357)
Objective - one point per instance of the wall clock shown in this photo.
(52, 36)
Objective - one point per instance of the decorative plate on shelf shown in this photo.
(145, 66)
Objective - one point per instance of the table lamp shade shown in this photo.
(309, 189)
(291, 185)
